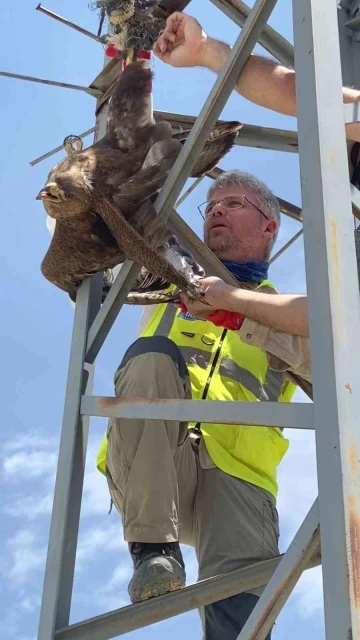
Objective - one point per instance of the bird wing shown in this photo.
(164, 261)
(220, 141)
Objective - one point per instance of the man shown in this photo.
(213, 486)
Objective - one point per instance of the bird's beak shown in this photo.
(49, 192)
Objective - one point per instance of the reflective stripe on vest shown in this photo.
(270, 391)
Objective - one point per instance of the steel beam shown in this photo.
(110, 309)
(352, 113)
(53, 83)
(189, 190)
(67, 23)
(334, 307)
(268, 414)
(304, 546)
(59, 148)
(286, 246)
(271, 40)
(140, 615)
(59, 571)
(257, 137)
(250, 135)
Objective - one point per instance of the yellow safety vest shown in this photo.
(222, 367)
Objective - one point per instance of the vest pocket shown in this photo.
(258, 448)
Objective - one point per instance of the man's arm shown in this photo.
(287, 313)
(284, 352)
(263, 81)
(276, 324)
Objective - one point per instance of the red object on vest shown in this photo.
(220, 318)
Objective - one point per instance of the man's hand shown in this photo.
(216, 295)
(183, 42)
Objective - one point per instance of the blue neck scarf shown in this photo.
(248, 271)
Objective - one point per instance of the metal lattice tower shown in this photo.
(334, 308)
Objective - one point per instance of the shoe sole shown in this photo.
(155, 590)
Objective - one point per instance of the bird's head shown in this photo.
(67, 192)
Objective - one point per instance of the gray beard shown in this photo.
(227, 249)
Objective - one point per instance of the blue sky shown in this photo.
(36, 322)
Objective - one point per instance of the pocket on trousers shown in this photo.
(271, 530)
(117, 497)
(117, 470)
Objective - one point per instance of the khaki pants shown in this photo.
(165, 485)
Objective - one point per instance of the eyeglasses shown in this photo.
(230, 202)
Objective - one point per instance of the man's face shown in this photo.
(237, 234)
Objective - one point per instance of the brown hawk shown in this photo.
(102, 197)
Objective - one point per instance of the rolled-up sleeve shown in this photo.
(284, 352)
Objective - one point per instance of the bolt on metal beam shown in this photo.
(67, 23)
(64, 85)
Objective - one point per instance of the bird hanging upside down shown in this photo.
(102, 197)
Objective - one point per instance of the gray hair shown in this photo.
(268, 203)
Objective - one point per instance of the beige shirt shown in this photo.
(284, 352)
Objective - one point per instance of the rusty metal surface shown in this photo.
(334, 305)
(272, 414)
(127, 619)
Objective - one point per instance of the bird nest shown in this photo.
(134, 28)
(118, 11)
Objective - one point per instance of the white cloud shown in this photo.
(26, 556)
(114, 594)
(29, 455)
(29, 465)
(29, 441)
(308, 593)
(99, 540)
(30, 507)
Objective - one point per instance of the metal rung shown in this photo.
(135, 616)
(352, 113)
(267, 414)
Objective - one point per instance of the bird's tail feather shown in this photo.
(130, 107)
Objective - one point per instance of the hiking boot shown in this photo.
(158, 569)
